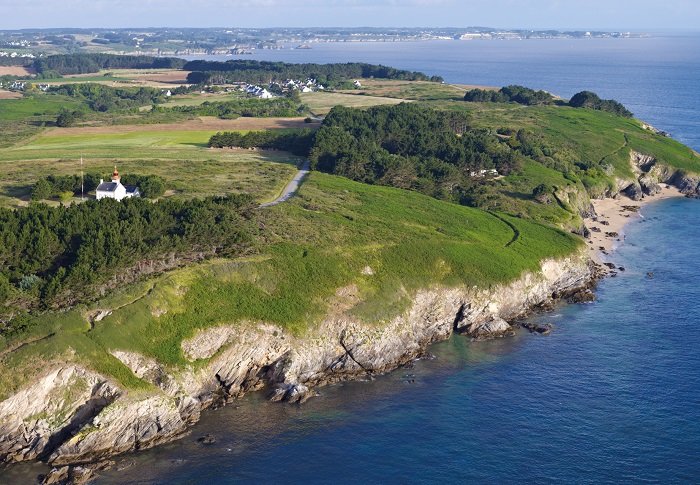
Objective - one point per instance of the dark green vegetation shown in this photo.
(587, 99)
(237, 107)
(56, 257)
(84, 63)
(530, 97)
(410, 147)
(330, 75)
(515, 94)
(298, 142)
(104, 98)
(61, 186)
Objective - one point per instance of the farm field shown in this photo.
(321, 103)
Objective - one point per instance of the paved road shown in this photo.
(292, 186)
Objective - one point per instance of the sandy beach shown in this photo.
(607, 230)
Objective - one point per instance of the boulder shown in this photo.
(634, 191)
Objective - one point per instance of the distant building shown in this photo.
(115, 190)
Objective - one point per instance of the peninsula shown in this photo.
(429, 210)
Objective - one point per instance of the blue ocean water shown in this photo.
(612, 395)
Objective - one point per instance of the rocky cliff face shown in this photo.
(649, 173)
(74, 415)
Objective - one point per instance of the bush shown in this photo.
(42, 190)
(588, 99)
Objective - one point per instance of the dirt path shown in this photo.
(292, 186)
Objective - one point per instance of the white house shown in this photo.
(115, 189)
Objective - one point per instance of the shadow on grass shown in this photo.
(518, 195)
(22, 192)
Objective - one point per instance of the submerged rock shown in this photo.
(582, 296)
(207, 439)
(538, 328)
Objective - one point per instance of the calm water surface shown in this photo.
(612, 395)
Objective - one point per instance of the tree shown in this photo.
(42, 190)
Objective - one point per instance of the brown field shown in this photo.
(14, 71)
(204, 123)
(164, 76)
(10, 95)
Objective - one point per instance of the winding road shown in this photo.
(292, 186)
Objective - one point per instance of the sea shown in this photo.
(612, 395)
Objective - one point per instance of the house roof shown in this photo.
(131, 189)
(107, 187)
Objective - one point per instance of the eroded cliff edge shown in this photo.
(74, 415)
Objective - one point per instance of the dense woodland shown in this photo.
(298, 142)
(89, 63)
(52, 257)
(530, 97)
(411, 147)
(262, 72)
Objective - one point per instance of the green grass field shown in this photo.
(180, 157)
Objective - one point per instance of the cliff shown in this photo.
(74, 415)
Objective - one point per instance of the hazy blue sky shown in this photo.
(588, 14)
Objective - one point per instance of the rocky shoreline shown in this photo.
(76, 419)
(73, 418)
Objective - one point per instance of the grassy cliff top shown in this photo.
(321, 241)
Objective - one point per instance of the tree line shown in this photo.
(412, 147)
(263, 72)
(89, 63)
(513, 93)
(530, 97)
(106, 98)
(237, 107)
(298, 142)
(52, 257)
(68, 186)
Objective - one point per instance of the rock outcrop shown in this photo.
(75, 416)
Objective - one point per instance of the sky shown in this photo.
(635, 15)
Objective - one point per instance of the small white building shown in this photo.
(115, 189)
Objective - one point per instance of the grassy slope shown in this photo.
(321, 241)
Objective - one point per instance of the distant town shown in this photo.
(234, 41)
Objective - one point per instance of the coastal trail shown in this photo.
(291, 188)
